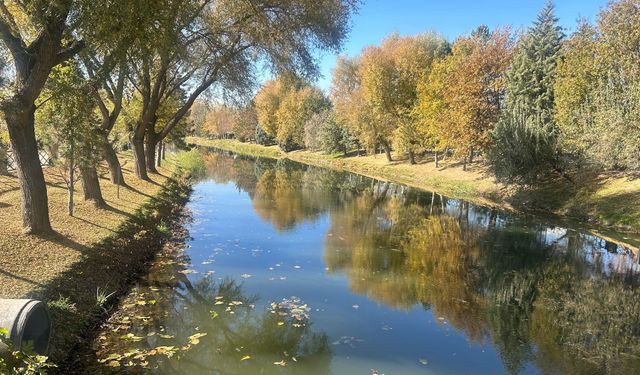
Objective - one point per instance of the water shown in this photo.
(301, 270)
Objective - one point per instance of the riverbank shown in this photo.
(94, 256)
(608, 201)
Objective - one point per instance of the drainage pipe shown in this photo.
(27, 322)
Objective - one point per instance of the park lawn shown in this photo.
(29, 263)
(607, 200)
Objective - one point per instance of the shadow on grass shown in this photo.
(110, 266)
(17, 277)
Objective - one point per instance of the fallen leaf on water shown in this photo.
(280, 323)
(245, 276)
(423, 361)
(195, 338)
(281, 363)
(245, 358)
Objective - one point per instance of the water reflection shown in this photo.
(548, 299)
(172, 325)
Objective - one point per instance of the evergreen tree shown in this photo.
(526, 135)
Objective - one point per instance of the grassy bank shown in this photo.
(94, 256)
(605, 200)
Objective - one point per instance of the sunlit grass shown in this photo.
(29, 262)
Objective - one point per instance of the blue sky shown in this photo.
(379, 18)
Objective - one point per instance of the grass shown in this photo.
(239, 147)
(610, 201)
(29, 262)
(92, 260)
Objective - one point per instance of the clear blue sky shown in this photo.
(378, 18)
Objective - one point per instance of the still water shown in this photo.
(291, 269)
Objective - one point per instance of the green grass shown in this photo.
(242, 148)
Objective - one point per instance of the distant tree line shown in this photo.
(534, 104)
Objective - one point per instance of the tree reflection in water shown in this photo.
(170, 325)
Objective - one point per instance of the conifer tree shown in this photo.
(526, 135)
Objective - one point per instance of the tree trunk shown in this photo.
(164, 150)
(33, 189)
(91, 186)
(150, 143)
(435, 158)
(137, 144)
(111, 157)
(464, 163)
(70, 183)
(160, 147)
(4, 160)
(412, 157)
(471, 156)
(387, 151)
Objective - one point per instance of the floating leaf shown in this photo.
(281, 363)
(246, 357)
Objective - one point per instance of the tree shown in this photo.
(107, 84)
(39, 36)
(295, 109)
(268, 101)
(526, 135)
(412, 58)
(215, 47)
(219, 121)
(245, 122)
(375, 72)
(323, 132)
(575, 89)
(598, 90)
(33, 58)
(4, 157)
(66, 118)
(461, 99)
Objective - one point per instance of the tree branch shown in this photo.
(70, 51)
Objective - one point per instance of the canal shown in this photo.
(296, 269)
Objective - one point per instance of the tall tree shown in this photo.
(296, 108)
(216, 47)
(268, 101)
(33, 55)
(40, 35)
(598, 90)
(526, 135)
(461, 100)
(412, 59)
(67, 120)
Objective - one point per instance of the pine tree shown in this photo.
(526, 135)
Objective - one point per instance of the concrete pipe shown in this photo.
(27, 321)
